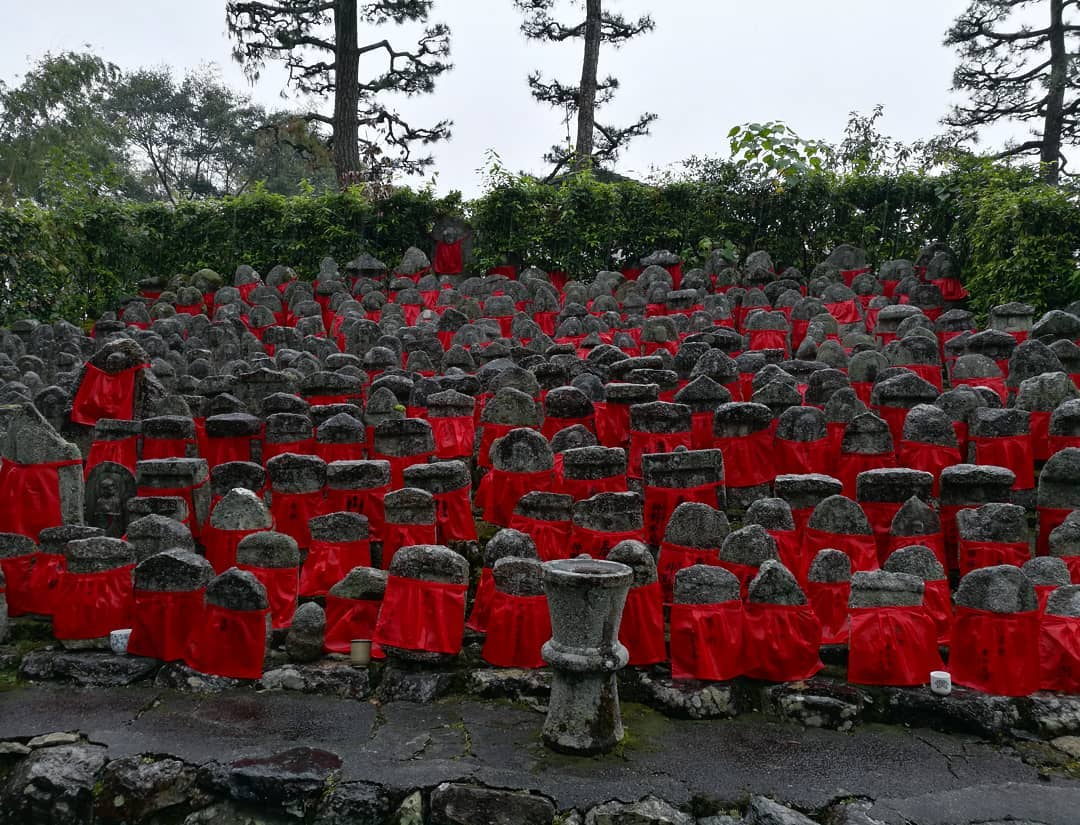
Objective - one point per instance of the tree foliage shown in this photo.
(318, 41)
(1013, 71)
(597, 143)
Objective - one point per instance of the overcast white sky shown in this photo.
(710, 64)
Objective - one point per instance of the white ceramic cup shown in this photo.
(941, 682)
(118, 640)
(360, 651)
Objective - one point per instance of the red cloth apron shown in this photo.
(830, 603)
(849, 465)
(1049, 519)
(997, 653)
(229, 643)
(43, 583)
(895, 418)
(348, 619)
(743, 572)
(489, 433)
(1042, 592)
(281, 584)
(892, 646)
(880, 515)
(480, 614)
(221, 546)
(996, 383)
(187, 494)
(500, 491)
(30, 496)
(519, 627)
(937, 601)
(396, 536)
(645, 443)
(612, 424)
(780, 642)
(863, 390)
(701, 430)
(707, 641)
(849, 275)
(761, 339)
(162, 623)
(802, 457)
(1059, 654)
(448, 258)
(580, 489)
(930, 458)
(453, 515)
(122, 451)
(931, 373)
(17, 570)
(1013, 452)
(104, 395)
(973, 555)
(219, 451)
(597, 544)
(366, 501)
(328, 562)
(660, 503)
(951, 289)
(292, 511)
(947, 514)
(552, 538)
(340, 452)
(91, 605)
(748, 460)
(1057, 443)
(421, 615)
(454, 437)
(165, 447)
(676, 557)
(862, 550)
(845, 312)
(932, 541)
(642, 627)
(552, 425)
(789, 546)
(275, 448)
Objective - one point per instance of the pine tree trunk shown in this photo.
(1055, 97)
(587, 96)
(346, 95)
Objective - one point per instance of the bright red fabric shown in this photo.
(552, 425)
(996, 383)
(1060, 442)
(845, 312)
(340, 452)
(660, 503)
(500, 491)
(789, 546)
(642, 627)
(880, 515)
(165, 448)
(646, 443)
(932, 541)
(1059, 653)
(16, 570)
(91, 605)
(701, 430)
(895, 418)
(862, 550)
(863, 389)
(328, 562)
(104, 395)
(223, 450)
(348, 619)
(743, 572)
(162, 623)
(951, 289)
(122, 451)
(454, 437)
(43, 583)
(973, 555)
(1042, 592)
(892, 646)
(281, 586)
(707, 641)
(453, 515)
(1049, 519)
(489, 433)
(937, 601)
(748, 460)
(781, 642)
(597, 544)
(421, 615)
(275, 448)
(802, 457)
(676, 557)
(30, 496)
(292, 511)
(552, 538)
(580, 489)
(519, 627)
(849, 275)
(480, 614)
(228, 643)
(221, 546)
(448, 258)
(187, 494)
(997, 653)
(930, 373)
(1014, 452)
(367, 501)
(761, 339)
(396, 536)
(930, 458)
(612, 424)
(830, 603)
(849, 465)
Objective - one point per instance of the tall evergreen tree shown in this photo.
(1015, 72)
(595, 143)
(319, 43)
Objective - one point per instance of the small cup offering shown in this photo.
(360, 652)
(941, 682)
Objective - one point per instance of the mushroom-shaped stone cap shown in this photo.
(509, 543)
(918, 561)
(97, 554)
(16, 544)
(636, 556)
(339, 527)
(268, 549)
(694, 524)
(173, 571)
(999, 589)
(363, 583)
(1047, 570)
(841, 515)
(830, 566)
(241, 509)
(750, 545)
(770, 513)
(705, 584)
(915, 518)
(1065, 601)
(775, 584)
(430, 562)
(518, 576)
(237, 589)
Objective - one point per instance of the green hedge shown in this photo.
(1016, 237)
